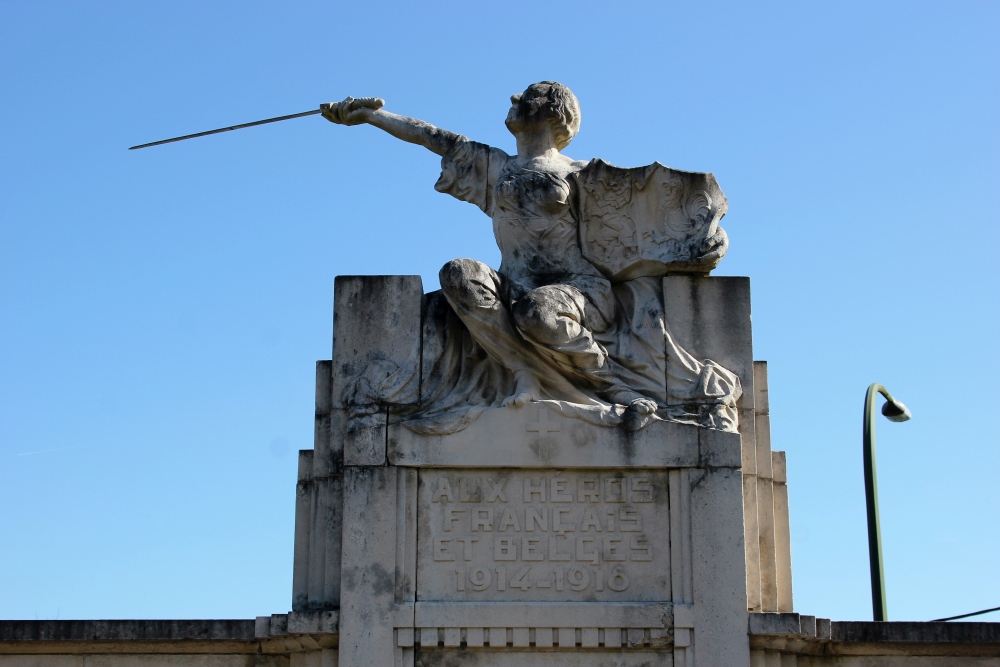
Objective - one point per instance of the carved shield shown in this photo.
(648, 221)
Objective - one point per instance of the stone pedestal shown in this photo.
(526, 535)
(531, 538)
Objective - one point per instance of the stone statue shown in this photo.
(574, 313)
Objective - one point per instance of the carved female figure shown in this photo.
(538, 315)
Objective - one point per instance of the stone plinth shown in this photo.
(528, 537)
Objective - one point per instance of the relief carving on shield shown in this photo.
(649, 221)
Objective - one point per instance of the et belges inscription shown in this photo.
(545, 536)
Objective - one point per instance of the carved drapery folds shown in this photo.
(455, 380)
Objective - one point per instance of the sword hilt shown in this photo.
(374, 103)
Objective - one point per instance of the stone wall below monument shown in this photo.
(310, 640)
(793, 640)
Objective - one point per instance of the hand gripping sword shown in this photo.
(363, 102)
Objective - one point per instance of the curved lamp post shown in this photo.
(894, 411)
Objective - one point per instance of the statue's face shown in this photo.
(530, 109)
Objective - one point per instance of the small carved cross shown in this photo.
(543, 425)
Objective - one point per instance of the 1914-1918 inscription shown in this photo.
(553, 536)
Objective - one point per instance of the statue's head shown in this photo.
(546, 102)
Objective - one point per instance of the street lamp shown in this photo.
(894, 411)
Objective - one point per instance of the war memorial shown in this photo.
(563, 461)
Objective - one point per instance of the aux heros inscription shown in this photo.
(560, 536)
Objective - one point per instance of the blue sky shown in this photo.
(163, 309)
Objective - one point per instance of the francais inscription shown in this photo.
(545, 536)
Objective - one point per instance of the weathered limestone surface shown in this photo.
(143, 660)
(318, 506)
(765, 499)
(806, 641)
(309, 640)
(537, 435)
(782, 533)
(710, 318)
(719, 581)
(376, 320)
(373, 578)
(765, 506)
(148, 643)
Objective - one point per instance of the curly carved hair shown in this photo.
(567, 112)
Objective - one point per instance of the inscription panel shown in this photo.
(567, 536)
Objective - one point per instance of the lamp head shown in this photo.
(895, 411)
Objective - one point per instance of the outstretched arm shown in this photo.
(355, 112)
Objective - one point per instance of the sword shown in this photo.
(364, 102)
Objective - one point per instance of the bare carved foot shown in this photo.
(642, 406)
(639, 412)
(517, 400)
(526, 389)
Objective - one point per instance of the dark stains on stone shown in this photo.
(126, 630)
(349, 578)
(627, 441)
(403, 585)
(380, 580)
(545, 448)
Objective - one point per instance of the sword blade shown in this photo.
(227, 129)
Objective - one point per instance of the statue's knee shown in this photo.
(468, 282)
(535, 318)
(456, 275)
